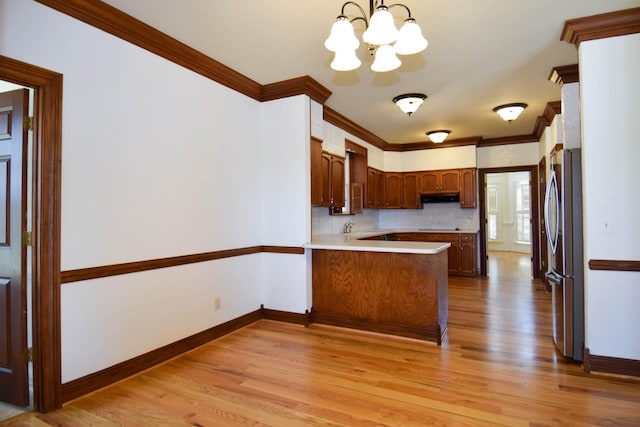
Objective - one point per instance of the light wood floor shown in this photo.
(497, 366)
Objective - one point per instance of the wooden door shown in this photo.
(393, 190)
(410, 198)
(450, 181)
(14, 380)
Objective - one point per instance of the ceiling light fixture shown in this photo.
(380, 34)
(438, 136)
(510, 112)
(409, 102)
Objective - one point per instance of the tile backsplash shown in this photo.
(437, 216)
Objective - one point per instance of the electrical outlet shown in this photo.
(216, 303)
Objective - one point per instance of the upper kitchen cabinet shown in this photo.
(316, 173)
(468, 188)
(439, 181)
(375, 189)
(333, 180)
(410, 195)
(327, 177)
(393, 190)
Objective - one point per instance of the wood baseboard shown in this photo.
(610, 365)
(285, 316)
(97, 380)
(429, 334)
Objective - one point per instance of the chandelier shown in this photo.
(381, 34)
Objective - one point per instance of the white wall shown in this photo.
(508, 155)
(610, 154)
(158, 162)
(285, 188)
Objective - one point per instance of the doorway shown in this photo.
(509, 214)
(46, 209)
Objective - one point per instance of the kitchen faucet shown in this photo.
(347, 227)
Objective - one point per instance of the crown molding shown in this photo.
(605, 25)
(117, 23)
(332, 116)
(507, 140)
(565, 74)
(297, 86)
(428, 145)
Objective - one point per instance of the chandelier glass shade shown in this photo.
(438, 136)
(381, 34)
(409, 102)
(510, 112)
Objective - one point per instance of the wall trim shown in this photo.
(605, 25)
(92, 382)
(47, 148)
(613, 265)
(565, 74)
(610, 365)
(90, 273)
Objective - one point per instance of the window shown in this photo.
(523, 223)
(492, 197)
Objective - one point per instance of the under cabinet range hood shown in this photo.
(440, 198)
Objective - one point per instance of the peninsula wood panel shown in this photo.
(403, 294)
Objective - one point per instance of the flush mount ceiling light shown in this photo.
(381, 34)
(438, 136)
(510, 112)
(409, 102)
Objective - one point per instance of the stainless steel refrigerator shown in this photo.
(563, 221)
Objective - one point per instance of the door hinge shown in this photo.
(27, 238)
(28, 123)
(29, 354)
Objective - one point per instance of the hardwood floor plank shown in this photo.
(496, 366)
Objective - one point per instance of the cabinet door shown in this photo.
(453, 256)
(316, 172)
(372, 189)
(325, 167)
(392, 190)
(380, 196)
(337, 181)
(428, 182)
(468, 254)
(468, 188)
(449, 181)
(410, 198)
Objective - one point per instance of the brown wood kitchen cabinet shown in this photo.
(375, 189)
(468, 255)
(410, 195)
(316, 172)
(468, 188)
(439, 181)
(331, 181)
(392, 190)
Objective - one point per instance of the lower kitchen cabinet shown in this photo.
(462, 256)
(468, 254)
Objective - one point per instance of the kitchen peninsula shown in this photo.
(386, 286)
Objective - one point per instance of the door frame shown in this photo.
(482, 204)
(47, 144)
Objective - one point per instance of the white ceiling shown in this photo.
(481, 53)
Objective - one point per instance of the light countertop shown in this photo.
(351, 242)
